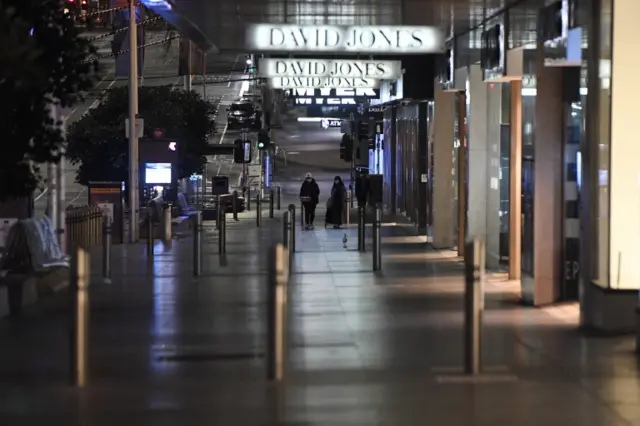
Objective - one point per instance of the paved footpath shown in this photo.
(364, 348)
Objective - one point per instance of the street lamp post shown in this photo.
(133, 187)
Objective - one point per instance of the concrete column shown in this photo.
(611, 172)
(494, 121)
(444, 116)
(548, 166)
(478, 187)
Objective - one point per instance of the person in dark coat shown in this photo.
(335, 205)
(310, 196)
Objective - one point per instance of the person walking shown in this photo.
(309, 195)
(335, 205)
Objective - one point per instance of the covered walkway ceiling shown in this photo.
(221, 23)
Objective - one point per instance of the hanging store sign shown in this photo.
(384, 70)
(336, 93)
(347, 39)
(322, 82)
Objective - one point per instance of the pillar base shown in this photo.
(611, 312)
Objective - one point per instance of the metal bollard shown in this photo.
(377, 224)
(292, 228)
(218, 206)
(347, 210)
(277, 311)
(79, 333)
(271, 203)
(361, 228)
(278, 193)
(166, 223)
(150, 239)
(222, 235)
(258, 212)
(286, 227)
(474, 261)
(248, 199)
(302, 215)
(197, 244)
(106, 249)
(235, 205)
(351, 197)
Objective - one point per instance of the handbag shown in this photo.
(329, 202)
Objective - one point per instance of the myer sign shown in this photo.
(329, 38)
(325, 101)
(384, 70)
(336, 93)
(332, 97)
(322, 82)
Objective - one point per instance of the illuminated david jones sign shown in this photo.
(384, 70)
(329, 38)
(322, 82)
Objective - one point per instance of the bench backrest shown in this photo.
(182, 204)
(32, 246)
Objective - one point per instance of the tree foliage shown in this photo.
(97, 142)
(42, 59)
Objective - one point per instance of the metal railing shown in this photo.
(84, 226)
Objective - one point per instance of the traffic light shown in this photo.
(363, 129)
(346, 148)
(264, 141)
(242, 151)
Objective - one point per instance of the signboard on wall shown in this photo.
(322, 82)
(373, 69)
(327, 123)
(493, 52)
(561, 39)
(346, 39)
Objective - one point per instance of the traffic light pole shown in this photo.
(353, 145)
(133, 186)
(244, 165)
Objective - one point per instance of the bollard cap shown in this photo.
(291, 207)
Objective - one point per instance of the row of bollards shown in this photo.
(376, 234)
(274, 198)
(278, 278)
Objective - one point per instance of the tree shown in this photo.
(97, 142)
(42, 59)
